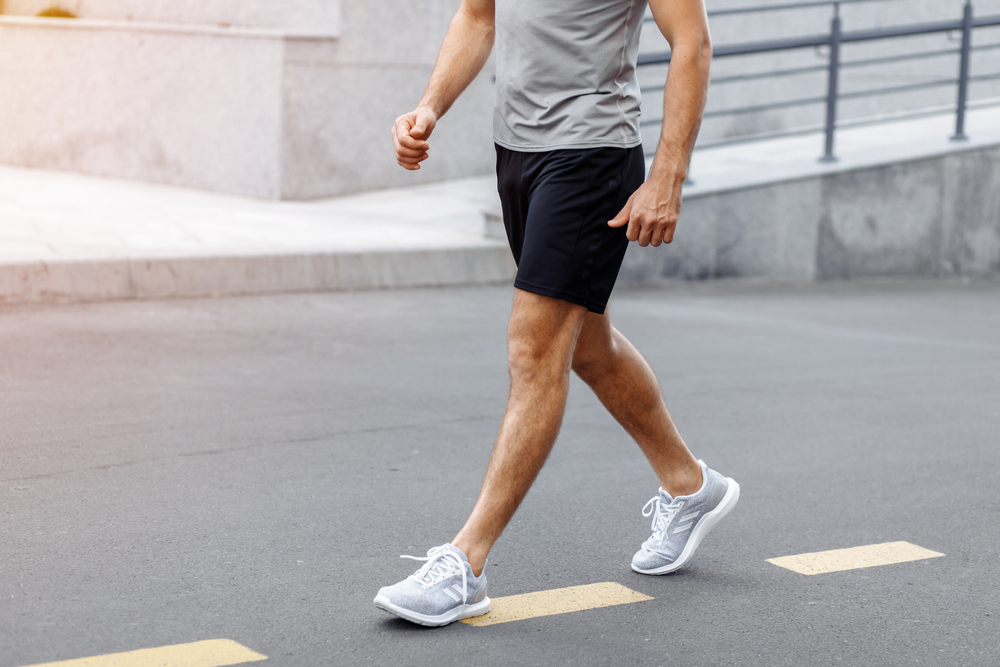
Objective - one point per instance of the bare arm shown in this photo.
(465, 50)
(651, 213)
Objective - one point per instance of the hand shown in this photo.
(651, 212)
(409, 137)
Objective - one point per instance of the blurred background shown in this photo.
(841, 139)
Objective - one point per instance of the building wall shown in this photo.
(295, 99)
(271, 111)
(184, 108)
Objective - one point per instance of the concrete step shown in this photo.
(71, 237)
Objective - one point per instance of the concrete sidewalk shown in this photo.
(71, 237)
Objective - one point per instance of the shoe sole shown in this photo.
(706, 524)
(456, 614)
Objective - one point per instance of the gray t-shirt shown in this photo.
(566, 74)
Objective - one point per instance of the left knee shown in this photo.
(591, 361)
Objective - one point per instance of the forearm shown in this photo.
(466, 48)
(683, 106)
(652, 211)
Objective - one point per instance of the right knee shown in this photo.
(527, 357)
(541, 335)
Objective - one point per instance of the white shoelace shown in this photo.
(662, 515)
(440, 563)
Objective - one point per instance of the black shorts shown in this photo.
(556, 208)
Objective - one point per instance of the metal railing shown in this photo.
(833, 41)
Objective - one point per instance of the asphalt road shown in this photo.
(251, 469)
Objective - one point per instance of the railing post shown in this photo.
(831, 91)
(963, 73)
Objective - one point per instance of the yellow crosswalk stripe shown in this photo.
(838, 560)
(209, 653)
(557, 601)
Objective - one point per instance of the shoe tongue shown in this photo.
(665, 497)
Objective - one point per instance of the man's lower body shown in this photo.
(556, 206)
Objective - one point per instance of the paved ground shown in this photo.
(250, 468)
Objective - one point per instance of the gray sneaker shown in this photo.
(442, 591)
(681, 523)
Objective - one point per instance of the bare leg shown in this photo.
(541, 338)
(627, 387)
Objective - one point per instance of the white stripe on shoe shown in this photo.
(686, 522)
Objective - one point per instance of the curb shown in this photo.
(167, 277)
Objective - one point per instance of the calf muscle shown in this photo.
(627, 387)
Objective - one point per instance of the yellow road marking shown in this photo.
(557, 601)
(210, 653)
(854, 558)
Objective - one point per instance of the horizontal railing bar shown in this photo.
(982, 22)
(898, 89)
(900, 31)
(801, 102)
(745, 49)
(914, 30)
(764, 75)
(772, 8)
(823, 40)
(805, 101)
(783, 7)
(823, 68)
(810, 41)
(899, 58)
(849, 63)
(750, 77)
(985, 77)
(986, 21)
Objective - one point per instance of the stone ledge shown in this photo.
(928, 216)
(114, 279)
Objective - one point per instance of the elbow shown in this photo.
(695, 51)
(705, 50)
